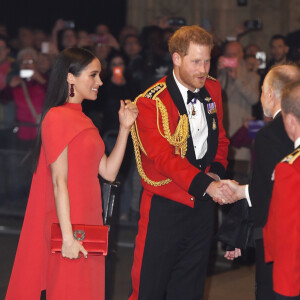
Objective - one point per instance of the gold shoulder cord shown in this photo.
(178, 139)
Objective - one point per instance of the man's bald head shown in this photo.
(234, 49)
(279, 76)
(274, 83)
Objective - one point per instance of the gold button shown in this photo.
(192, 199)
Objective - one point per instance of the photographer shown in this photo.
(28, 88)
(241, 90)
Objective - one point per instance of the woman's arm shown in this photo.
(109, 166)
(59, 170)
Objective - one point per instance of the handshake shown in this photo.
(225, 191)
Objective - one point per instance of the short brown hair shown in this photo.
(181, 39)
(290, 102)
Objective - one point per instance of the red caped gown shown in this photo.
(35, 267)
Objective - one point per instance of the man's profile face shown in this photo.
(265, 90)
(193, 68)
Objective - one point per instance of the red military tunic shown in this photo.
(160, 161)
(282, 231)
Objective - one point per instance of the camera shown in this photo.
(253, 24)
(99, 38)
(118, 74)
(68, 24)
(26, 73)
(45, 47)
(230, 62)
(176, 22)
(261, 57)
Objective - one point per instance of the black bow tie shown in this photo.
(191, 96)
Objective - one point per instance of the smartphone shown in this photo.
(26, 73)
(118, 74)
(68, 24)
(253, 24)
(261, 57)
(176, 21)
(45, 47)
(99, 38)
(230, 62)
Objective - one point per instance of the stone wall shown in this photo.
(277, 16)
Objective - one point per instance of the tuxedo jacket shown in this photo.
(189, 181)
(272, 144)
(282, 231)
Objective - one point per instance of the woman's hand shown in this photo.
(71, 249)
(127, 114)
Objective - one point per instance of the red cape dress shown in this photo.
(35, 267)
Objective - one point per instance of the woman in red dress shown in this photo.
(65, 186)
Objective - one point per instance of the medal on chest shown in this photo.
(211, 108)
(193, 101)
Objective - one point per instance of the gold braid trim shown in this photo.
(178, 139)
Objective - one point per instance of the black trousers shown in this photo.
(176, 250)
(263, 274)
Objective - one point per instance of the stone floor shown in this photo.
(227, 281)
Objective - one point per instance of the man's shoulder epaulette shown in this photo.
(292, 157)
(211, 78)
(154, 90)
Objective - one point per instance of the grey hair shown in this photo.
(28, 50)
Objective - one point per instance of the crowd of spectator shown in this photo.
(131, 62)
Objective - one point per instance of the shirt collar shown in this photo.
(297, 143)
(276, 113)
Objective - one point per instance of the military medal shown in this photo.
(211, 108)
(193, 101)
(207, 99)
(214, 124)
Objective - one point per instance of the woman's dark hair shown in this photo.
(70, 60)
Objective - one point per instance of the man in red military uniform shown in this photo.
(282, 230)
(181, 152)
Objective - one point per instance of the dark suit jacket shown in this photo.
(272, 144)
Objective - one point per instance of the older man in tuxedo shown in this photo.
(272, 144)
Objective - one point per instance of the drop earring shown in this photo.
(72, 94)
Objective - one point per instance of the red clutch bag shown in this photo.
(94, 238)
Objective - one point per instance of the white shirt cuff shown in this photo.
(247, 195)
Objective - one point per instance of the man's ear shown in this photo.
(271, 96)
(70, 78)
(176, 59)
(290, 124)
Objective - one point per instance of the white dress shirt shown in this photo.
(198, 123)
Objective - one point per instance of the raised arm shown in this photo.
(109, 166)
